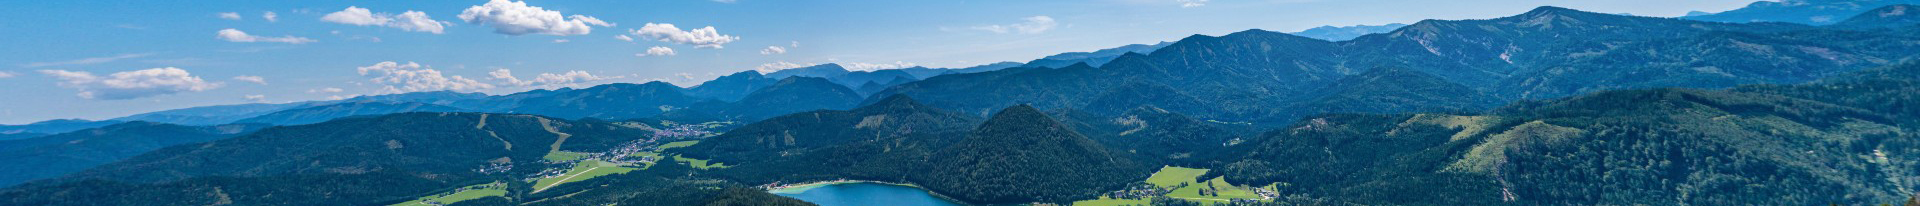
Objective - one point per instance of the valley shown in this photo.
(1777, 103)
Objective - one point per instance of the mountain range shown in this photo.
(1554, 106)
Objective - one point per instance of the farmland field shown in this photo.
(582, 171)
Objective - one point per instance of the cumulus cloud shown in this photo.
(256, 98)
(410, 20)
(325, 90)
(86, 61)
(1030, 25)
(623, 37)
(771, 50)
(270, 17)
(516, 18)
(657, 51)
(1191, 3)
(854, 66)
(235, 35)
(230, 15)
(706, 37)
(858, 66)
(413, 77)
(568, 79)
(131, 84)
(253, 79)
(777, 66)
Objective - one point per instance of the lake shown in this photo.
(858, 194)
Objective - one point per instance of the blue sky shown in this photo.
(143, 56)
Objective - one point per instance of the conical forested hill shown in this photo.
(887, 140)
(1021, 155)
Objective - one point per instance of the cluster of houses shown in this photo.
(495, 168)
(1138, 191)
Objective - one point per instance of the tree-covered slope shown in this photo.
(322, 113)
(1845, 140)
(54, 155)
(1021, 155)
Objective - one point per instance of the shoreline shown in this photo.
(804, 187)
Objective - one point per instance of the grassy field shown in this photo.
(1227, 192)
(1104, 201)
(1170, 176)
(698, 163)
(472, 192)
(562, 156)
(582, 171)
(679, 144)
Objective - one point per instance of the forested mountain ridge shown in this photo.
(54, 155)
(1810, 12)
(1240, 76)
(1767, 144)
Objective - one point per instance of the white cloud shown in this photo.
(771, 50)
(254, 79)
(270, 17)
(858, 66)
(1032, 25)
(86, 61)
(854, 66)
(410, 20)
(796, 44)
(325, 90)
(256, 98)
(561, 41)
(1191, 3)
(131, 84)
(341, 97)
(706, 37)
(4, 75)
(230, 15)
(235, 35)
(623, 37)
(777, 66)
(413, 77)
(657, 51)
(516, 18)
(550, 80)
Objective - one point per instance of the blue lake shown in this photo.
(860, 194)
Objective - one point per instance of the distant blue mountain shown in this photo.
(1343, 33)
(1095, 58)
(1810, 12)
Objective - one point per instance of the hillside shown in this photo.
(322, 113)
(1888, 17)
(1021, 155)
(1793, 144)
(59, 154)
(882, 141)
(1810, 12)
(1241, 76)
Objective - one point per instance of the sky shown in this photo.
(111, 58)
